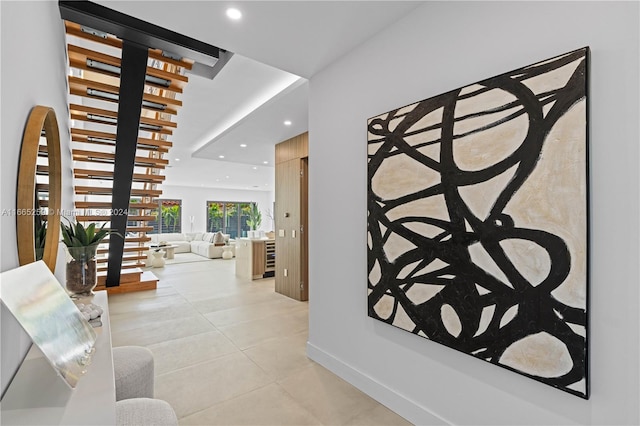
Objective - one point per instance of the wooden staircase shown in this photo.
(130, 280)
(94, 85)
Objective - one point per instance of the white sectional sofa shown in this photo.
(199, 243)
(175, 239)
(205, 244)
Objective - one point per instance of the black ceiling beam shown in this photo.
(126, 27)
(132, 77)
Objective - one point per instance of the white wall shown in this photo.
(439, 47)
(33, 71)
(194, 203)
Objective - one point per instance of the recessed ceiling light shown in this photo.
(287, 123)
(233, 13)
(243, 145)
(220, 156)
(226, 177)
(265, 162)
(177, 159)
(255, 168)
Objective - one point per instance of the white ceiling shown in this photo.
(277, 45)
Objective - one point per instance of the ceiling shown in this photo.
(277, 46)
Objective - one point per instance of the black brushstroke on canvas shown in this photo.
(538, 311)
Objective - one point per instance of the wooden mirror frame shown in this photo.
(40, 117)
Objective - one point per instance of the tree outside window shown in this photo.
(168, 217)
(215, 212)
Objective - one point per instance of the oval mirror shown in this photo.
(39, 189)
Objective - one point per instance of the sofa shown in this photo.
(174, 239)
(206, 244)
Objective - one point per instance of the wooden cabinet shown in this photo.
(291, 217)
(255, 259)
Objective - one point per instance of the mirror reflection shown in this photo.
(41, 196)
(39, 189)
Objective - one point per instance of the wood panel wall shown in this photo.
(291, 217)
(295, 148)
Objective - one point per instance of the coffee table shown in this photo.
(169, 250)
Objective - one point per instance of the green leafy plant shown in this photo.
(76, 236)
(255, 217)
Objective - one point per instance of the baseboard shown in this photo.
(410, 410)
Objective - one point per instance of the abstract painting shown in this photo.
(478, 220)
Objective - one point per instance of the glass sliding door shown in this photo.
(228, 217)
(231, 220)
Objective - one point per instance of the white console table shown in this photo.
(38, 396)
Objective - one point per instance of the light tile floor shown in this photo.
(230, 351)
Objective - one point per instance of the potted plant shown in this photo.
(255, 217)
(81, 244)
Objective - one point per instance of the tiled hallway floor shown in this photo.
(230, 351)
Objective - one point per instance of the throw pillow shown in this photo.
(218, 238)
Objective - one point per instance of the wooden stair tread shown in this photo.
(85, 82)
(113, 60)
(125, 249)
(105, 218)
(107, 205)
(78, 59)
(108, 175)
(109, 139)
(109, 158)
(75, 30)
(131, 271)
(126, 276)
(109, 118)
(147, 281)
(97, 190)
(114, 114)
(132, 240)
(96, 119)
(81, 87)
(124, 266)
(83, 116)
(139, 228)
(124, 258)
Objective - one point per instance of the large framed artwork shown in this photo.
(478, 220)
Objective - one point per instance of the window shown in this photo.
(168, 217)
(229, 218)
